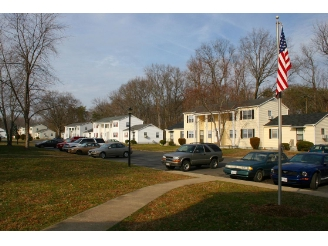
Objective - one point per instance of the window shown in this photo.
(126, 134)
(299, 134)
(322, 131)
(190, 134)
(269, 113)
(247, 114)
(190, 118)
(231, 134)
(145, 134)
(106, 125)
(273, 133)
(115, 134)
(115, 124)
(181, 134)
(171, 136)
(247, 133)
(157, 134)
(210, 118)
(86, 128)
(209, 134)
(127, 124)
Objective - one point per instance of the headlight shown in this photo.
(272, 171)
(164, 157)
(239, 167)
(176, 159)
(304, 174)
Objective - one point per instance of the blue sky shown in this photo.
(104, 51)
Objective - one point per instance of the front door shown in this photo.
(201, 137)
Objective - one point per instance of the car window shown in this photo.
(214, 147)
(119, 145)
(326, 159)
(199, 149)
(100, 140)
(311, 159)
(186, 148)
(113, 145)
(206, 149)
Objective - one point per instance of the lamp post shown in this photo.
(129, 160)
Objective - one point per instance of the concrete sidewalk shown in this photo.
(106, 215)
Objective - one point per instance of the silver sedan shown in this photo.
(110, 149)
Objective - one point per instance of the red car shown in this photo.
(68, 140)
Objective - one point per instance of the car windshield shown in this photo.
(104, 146)
(310, 159)
(78, 140)
(186, 148)
(255, 156)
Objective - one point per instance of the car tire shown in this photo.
(102, 155)
(315, 181)
(41, 146)
(258, 176)
(214, 163)
(170, 167)
(275, 182)
(126, 154)
(79, 152)
(185, 166)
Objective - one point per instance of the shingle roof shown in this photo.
(298, 119)
(176, 126)
(233, 105)
(109, 119)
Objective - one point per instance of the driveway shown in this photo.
(153, 160)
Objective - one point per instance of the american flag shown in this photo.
(283, 64)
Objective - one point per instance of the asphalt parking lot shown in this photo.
(153, 160)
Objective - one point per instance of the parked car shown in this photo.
(197, 154)
(110, 149)
(47, 143)
(67, 140)
(305, 169)
(82, 149)
(67, 146)
(323, 148)
(255, 165)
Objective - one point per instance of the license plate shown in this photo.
(233, 172)
(284, 179)
(167, 164)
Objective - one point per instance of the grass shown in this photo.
(41, 187)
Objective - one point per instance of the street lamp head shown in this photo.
(130, 110)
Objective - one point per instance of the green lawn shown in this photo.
(41, 187)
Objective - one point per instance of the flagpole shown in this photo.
(279, 120)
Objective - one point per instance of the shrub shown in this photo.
(22, 137)
(182, 141)
(304, 145)
(171, 143)
(255, 142)
(132, 141)
(162, 142)
(286, 146)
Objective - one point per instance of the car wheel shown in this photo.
(170, 167)
(41, 146)
(79, 152)
(315, 181)
(258, 176)
(126, 154)
(214, 163)
(185, 166)
(102, 155)
(275, 182)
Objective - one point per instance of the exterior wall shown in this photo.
(176, 134)
(35, 129)
(77, 130)
(46, 134)
(318, 134)
(114, 129)
(201, 122)
(151, 135)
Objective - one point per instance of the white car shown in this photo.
(67, 146)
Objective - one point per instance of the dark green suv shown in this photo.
(322, 148)
(195, 154)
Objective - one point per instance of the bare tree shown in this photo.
(259, 50)
(32, 38)
(58, 110)
(321, 37)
